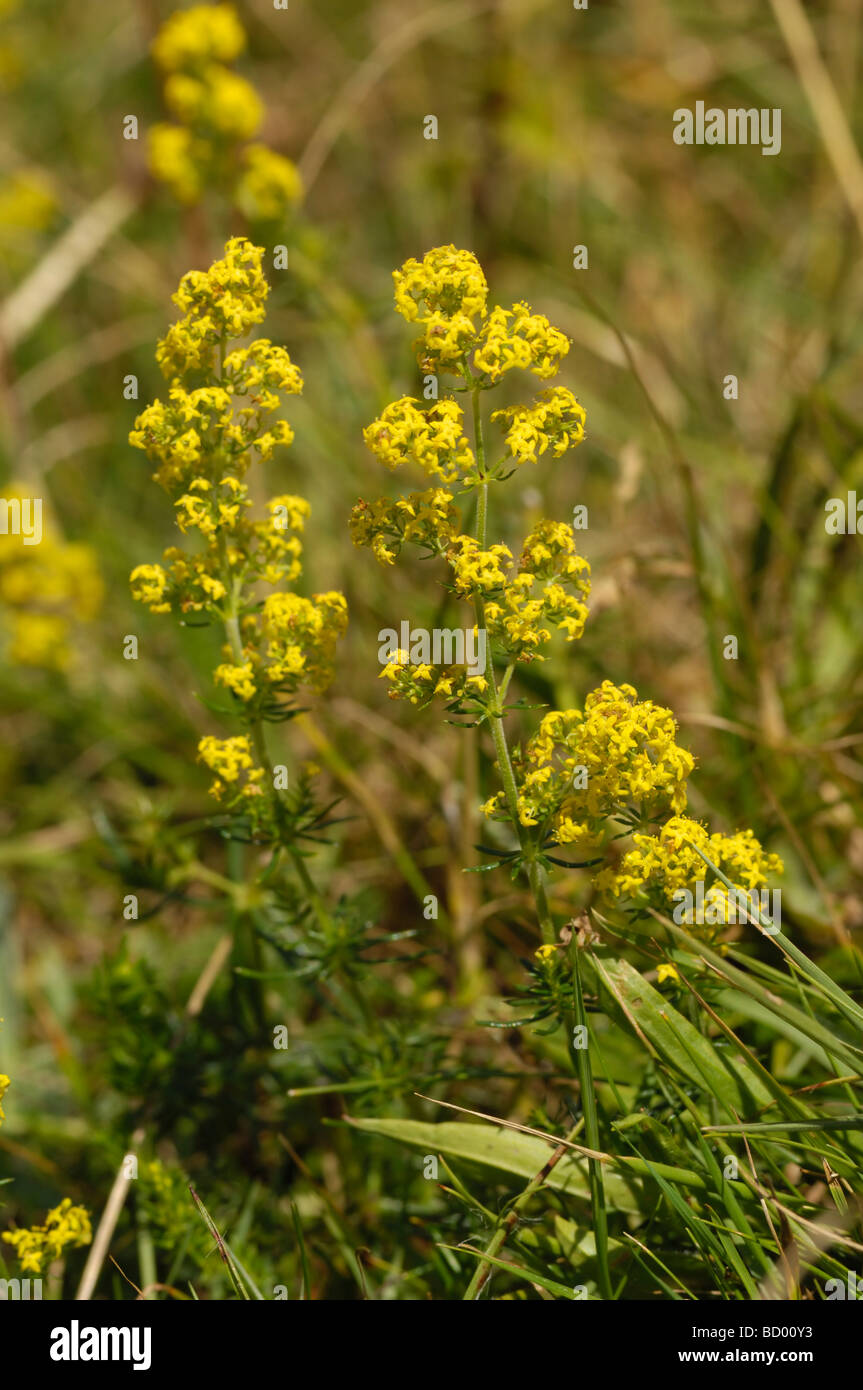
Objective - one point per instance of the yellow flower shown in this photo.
(260, 370)
(232, 292)
(446, 281)
(218, 111)
(28, 202)
(581, 765)
(239, 679)
(229, 758)
(545, 952)
(302, 634)
(667, 971)
(268, 186)
(478, 572)
(658, 866)
(45, 590)
(430, 437)
(428, 519)
(555, 420)
(517, 337)
(195, 37)
(216, 103)
(179, 158)
(65, 1225)
(150, 585)
(5, 1083)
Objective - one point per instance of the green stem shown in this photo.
(146, 1259)
(535, 872)
(581, 1058)
(502, 1230)
(259, 743)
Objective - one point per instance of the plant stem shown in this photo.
(581, 1057)
(535, 872)
(146, 1258)
(259, 742)
(482, 1272)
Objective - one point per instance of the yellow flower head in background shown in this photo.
(28, 206)
(198, 36)
(217, 101)
(269, 183)
(216, 111)
(46, 590)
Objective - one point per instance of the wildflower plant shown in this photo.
(587, 775)
(219, 420)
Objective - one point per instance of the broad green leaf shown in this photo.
(524, 1155)
(724, 1074)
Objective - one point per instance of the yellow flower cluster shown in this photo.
(301, 636)
(66, 1225)
(524, 605)
(548, 592)
(445, 281)
(45, 590)
(555, 420)
(203, 441)
(518, 338)
(218, 304)
(478, 573)
(268, 184)
(28, 206)
(216, 110)
(5, 1083)
(428, 519)
(520, 605)
(659, 865)
(212, 427)
(193, 39)
(421, 682)
(582, 765)
(292, 645)
(232, 762)
(447, 292)
(432, 438)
